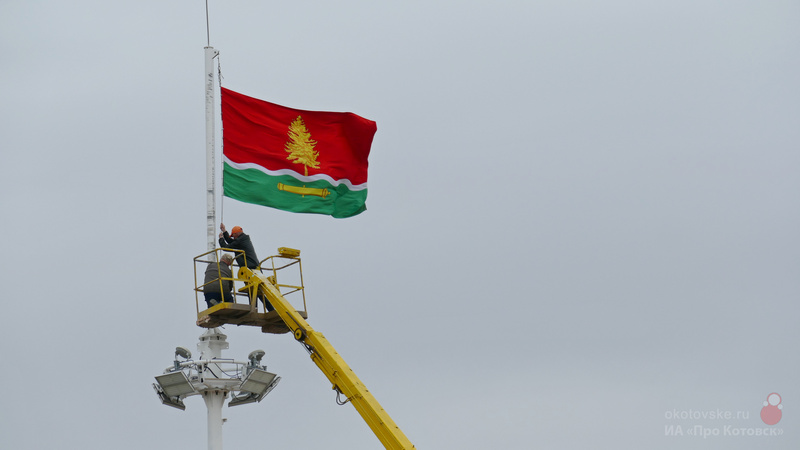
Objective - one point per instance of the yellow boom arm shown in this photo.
(323, 354)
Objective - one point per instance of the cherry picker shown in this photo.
(262, 287)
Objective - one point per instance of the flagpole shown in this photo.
(211, 216)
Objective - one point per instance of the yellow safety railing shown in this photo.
(203, 261)
(286, 258)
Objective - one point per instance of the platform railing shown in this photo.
(202, 261)
(286, 258)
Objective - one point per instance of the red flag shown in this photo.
(326, 152)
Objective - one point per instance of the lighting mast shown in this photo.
(213, 377)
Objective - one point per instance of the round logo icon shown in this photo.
(771, 412)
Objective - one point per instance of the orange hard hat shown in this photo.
(236, 229)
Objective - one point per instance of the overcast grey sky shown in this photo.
(581, 227)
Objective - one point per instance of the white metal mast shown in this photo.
(211, 344)
(208, 376)
(211, 216)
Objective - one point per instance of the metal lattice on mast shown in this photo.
(214, 377)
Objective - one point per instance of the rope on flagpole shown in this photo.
(222, 187)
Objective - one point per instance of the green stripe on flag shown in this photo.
(290, 194)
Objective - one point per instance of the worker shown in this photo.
(237, 240)
(218, 282)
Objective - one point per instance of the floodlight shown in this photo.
(243, 399)
(183, 352)
(173, 402)
(175, 384)
(255, 386)
(259, 381)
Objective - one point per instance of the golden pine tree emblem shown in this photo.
(300, 146)
(301, 151)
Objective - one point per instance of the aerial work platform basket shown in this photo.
(284, 271)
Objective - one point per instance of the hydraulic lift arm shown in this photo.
(341, 376)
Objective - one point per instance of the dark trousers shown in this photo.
(212, 298)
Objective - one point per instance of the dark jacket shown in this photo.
(213, 277)
(240, 243)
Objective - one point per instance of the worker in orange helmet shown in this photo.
(237, 240)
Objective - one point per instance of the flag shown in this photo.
(294, 160)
